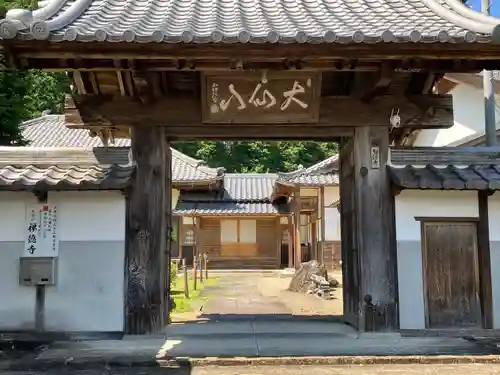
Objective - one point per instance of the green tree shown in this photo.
(258, 156)
(24, 95)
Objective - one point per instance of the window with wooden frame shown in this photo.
(189, 237)
(238, 231)
(238, 237)
(284, 237)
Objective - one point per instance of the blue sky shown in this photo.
(495, 8)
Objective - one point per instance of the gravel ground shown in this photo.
(297, 303)
(466, 369)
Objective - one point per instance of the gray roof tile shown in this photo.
(322, 173)
(243, 194)
(462, 156)
(228, 208)
(249, 185)
(473, 177)
(448, 168)
(207, 21)
(23, 168)
(51, 131)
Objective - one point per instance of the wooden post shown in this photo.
(205, 258)
(279, 237)
(322, 223)
(298, 247)
(201, 263)
(195, 271)
(484, 260)
(291, 255)
(146, 259)
(314, 240)
(375, 229)
(167, 297)
(185, 275)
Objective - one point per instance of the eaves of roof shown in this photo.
(255, 21)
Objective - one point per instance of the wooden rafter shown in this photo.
(383, 81)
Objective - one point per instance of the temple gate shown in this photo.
(328, 71)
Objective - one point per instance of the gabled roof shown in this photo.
(51, 131)
(28, 168)
(257, 21)
(243, 194)
(323, 173)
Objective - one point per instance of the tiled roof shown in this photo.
(461, 156)
(322, 173)
(51, 131)
(24, 168)
(449, 168)
(243, 194)
(473, 177)
(257, 21)
(228, 208)
(248, 185)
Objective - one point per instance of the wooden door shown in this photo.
(451, 280)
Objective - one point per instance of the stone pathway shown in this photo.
(237, 296)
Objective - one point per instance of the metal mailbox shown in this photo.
(37, 271)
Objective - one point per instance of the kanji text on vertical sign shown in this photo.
(41, 231)
(261, 97)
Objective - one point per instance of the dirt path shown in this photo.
(238, 296)
(300, 304)
(260, 296)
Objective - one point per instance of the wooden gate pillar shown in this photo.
(375, 231)
(297, 222)
(147, 265)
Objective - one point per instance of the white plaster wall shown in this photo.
(411, 204)
(332, 214)
(332, 224)
(90, 215)
(175, 197)
(331, 194)
(304, 229)
(17, 303)
(468, 113)
(89, 293)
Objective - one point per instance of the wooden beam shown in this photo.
(415, 53)
(183, 118)
(383, 81)
(146, 233)
(375, 231)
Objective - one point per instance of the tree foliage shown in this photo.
(24, 95)
(258, 156)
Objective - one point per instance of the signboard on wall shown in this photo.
(261, 97)
(41, 238)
